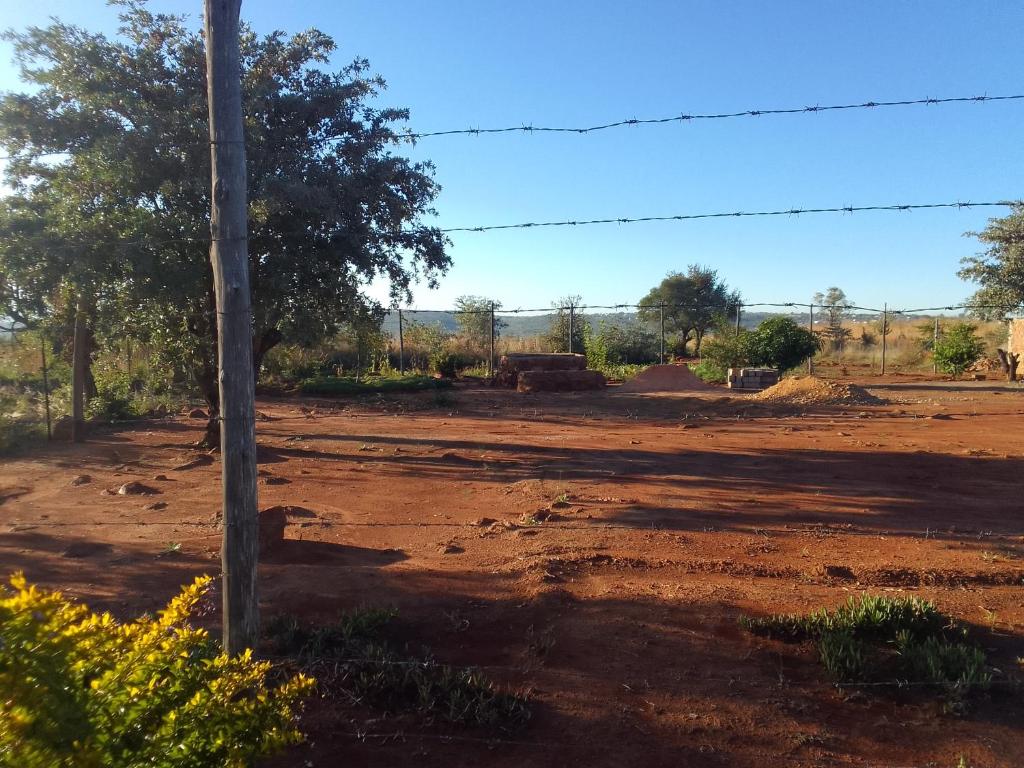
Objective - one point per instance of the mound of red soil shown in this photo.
(666, 378)
(810, 390)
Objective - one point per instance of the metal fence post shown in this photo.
(935, 340)
(661, 313)
(739, 308)
(885, 328)
(401, 345)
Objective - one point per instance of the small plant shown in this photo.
(348, 385)
(80, 688)
(561, 501)
(353, 656)
(876, 639)
(780, 343)
(958, 348)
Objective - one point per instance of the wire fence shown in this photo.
(567, 319)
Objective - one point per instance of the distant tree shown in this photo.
(693, 302)
(999, 270)
(781, 343)
(958, 348)
(473, 316)
(835, 305)
(557, 336)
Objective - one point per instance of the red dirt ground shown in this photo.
(685, 512)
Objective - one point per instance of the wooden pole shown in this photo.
(78, 353)
(572, 317)
(739, 308)
(935, 340)
(230, 259)
(401, 345)
(490, 358)
(810, 327)
(885, 328)
(661, 317)
(46, 386)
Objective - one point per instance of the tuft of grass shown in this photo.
(879, 639)
(353, 657)
(349, 385)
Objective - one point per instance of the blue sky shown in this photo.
(483, 63)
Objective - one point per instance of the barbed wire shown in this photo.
(685, 118)
(904, 207)
(732, 307)
(679, 118)
(849, 209)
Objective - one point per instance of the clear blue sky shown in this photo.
(481, 63)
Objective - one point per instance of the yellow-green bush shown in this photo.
(79, 689)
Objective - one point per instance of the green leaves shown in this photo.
(957, 348)
(81, 689)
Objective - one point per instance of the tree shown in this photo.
(473, 316)
(332, 206)
(957, 349)
(999, 270)
(835, 305)
(780, 343)
(557, 336)
(693, 302)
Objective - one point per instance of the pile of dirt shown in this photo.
(666, 378)
(810, 390)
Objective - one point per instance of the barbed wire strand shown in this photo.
(850, 209)
(679, 118)
(686, 118)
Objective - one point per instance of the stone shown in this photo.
(135, 488)
(80, 480)
(272, 524)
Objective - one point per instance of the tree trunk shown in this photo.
(79, 356)
(262, 344)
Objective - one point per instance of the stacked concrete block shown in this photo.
(752, 378)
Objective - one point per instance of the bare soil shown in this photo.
(618, 611)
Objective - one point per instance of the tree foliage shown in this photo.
(125, 211)
(694, 301)
(473, 316)
(557, 336)
(999, 269)
(780, 343)
(836, 306)
(958, 348)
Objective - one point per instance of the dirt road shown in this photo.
(596, 549)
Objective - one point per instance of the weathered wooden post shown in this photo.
(935, 341)
(79, 352)
(810, 327)
(230, 260)
(885, 332)
(46, 385)
(401, 344)
(661, 318)
(572, 317)
(490, 357)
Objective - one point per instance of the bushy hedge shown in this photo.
(81, 689)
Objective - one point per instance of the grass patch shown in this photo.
(620, 371)
(882, 639)
(349, 385)
(353, 657)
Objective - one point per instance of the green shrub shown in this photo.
(81, 689)
(364, 666)
(886, 639)
(958, 348)
(711, 371)
(780, 343)
(726, 349)
(349, 385)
